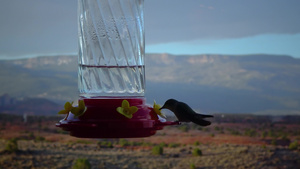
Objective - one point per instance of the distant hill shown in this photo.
(54, 78)
(262, 84)
(29, 106)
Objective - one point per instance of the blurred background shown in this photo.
(219, 56)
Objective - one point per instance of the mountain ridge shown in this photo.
(224, 83)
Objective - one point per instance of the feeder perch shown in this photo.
(111, 69)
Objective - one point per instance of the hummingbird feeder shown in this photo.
(111, 73)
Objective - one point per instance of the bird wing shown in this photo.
(183, 112)
(186, 109)
(191, 115)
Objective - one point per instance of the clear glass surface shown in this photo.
(111, 48)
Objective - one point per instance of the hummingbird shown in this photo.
(185, 113)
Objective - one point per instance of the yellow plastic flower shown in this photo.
(68, 106)
(79, 111)
(156, 108)
(126, 109)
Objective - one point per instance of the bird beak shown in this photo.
(162, 108)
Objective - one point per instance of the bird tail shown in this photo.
(205, 116)
(198, 119)
(201, 122)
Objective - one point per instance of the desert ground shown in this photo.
(224, 144)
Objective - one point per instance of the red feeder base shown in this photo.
(101, 120)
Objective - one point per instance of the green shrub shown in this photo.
(105, 144)
(197, 152)
(39, 138)
(174, 145)
(123, 142)
(184, 128)
(12, 146)
(109, 144)
(157, 150)
(148, 144)
(31, 135)
(136, 143)
(293, 145)
(206, 129)
(81, 163)
(199, 128)
(192, 166)
(196, 143)
(217, 128)
(84, 142)
(234, 132)
(264, 134)
(250, 132)
(271, 133)
(284, 137)
(163, 144)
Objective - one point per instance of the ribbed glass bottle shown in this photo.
(111, 48)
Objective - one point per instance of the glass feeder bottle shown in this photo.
(111, 69)
(111, 48)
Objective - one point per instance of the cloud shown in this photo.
(35, 26)
(277, 44)
(206, 7)
(229, 19)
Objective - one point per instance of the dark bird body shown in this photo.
(185, 113)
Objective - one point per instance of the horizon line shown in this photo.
(19, 57)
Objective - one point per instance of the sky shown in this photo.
(48, 27)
